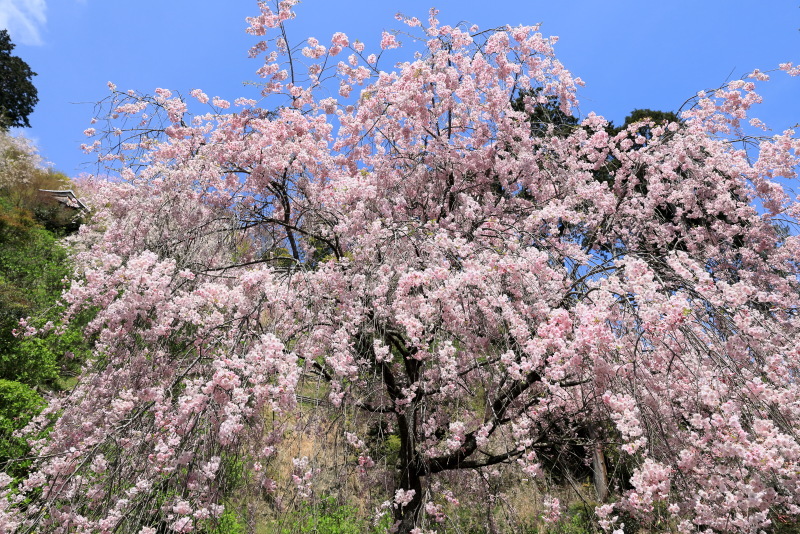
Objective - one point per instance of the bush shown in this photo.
(18, 405)
(324, 517)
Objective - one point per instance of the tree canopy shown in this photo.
(18, 96)
(474, 286)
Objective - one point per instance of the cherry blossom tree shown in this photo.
(489, 292)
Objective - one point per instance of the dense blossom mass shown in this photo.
(435, 256)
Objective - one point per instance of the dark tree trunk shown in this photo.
(406, 518)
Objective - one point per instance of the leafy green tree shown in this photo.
(649, 116)
(18, 96)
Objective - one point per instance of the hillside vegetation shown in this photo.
(34, 270)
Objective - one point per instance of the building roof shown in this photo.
(66, 197)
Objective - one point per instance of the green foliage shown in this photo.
(546, 115)
(324, 517)
(228, 523)
(30, 256)
(31, 361)
(60, 353)
(32, 269)
(384, 445)
(232, 472)
(18, 405)
(649, 115)
(18, 96)
(578, 519)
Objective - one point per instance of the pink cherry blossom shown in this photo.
(485, 288)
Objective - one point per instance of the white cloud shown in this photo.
(23, 19)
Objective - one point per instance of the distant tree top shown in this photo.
(18, 96)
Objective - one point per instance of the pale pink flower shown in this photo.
(388, 41)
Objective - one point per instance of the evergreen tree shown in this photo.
(18, 95)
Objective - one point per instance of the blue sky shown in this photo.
(632, 54)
